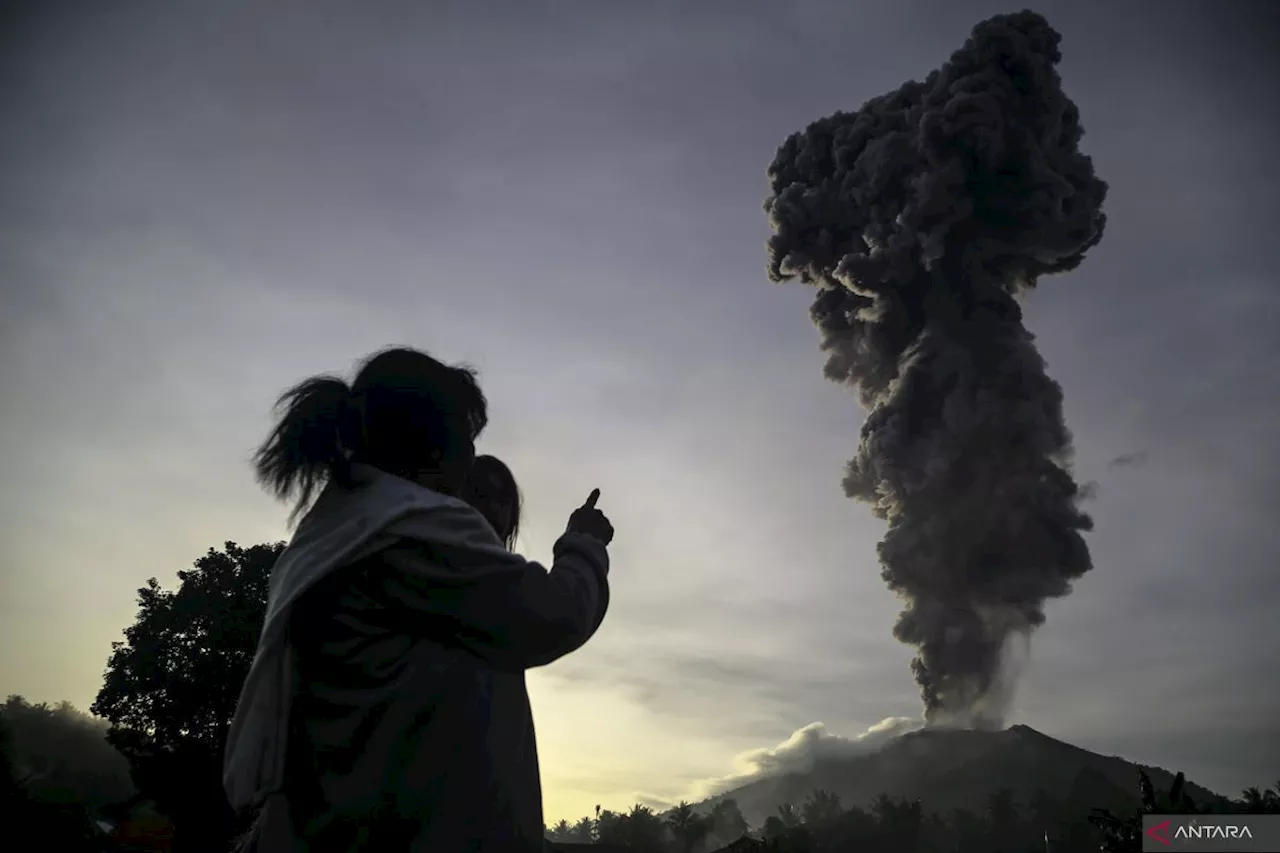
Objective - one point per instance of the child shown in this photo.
(492, 490)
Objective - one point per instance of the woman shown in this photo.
(385, 708)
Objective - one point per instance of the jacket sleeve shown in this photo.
(512, 612)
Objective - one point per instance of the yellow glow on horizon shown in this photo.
(600, 746)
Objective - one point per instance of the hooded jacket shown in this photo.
(386, 706)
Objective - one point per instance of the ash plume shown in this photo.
(920, 218)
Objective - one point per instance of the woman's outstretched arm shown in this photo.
(512, 612)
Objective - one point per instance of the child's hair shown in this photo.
(491, 485)
(405, 412)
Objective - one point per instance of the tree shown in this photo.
(607, 827)
(1256, 801)
(640, 829)
(688, 827)
(644, 830)
(969, 830)
(176, 677)
(559, 832)
(855, 829)
(40, 794)
(171, 686)
(61, 754)
(786, 832)
(1126, 833)
(789, 816)
(900, 822)
(583, 831)
(727, 822)
(1001, 807)
(821, 808)
(1045, 820)
(12, 795)
(1005, 822)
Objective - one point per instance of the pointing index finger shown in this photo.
(591, 499)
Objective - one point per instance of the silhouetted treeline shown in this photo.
(57, 775)
(61, 754)
(822, 824)
(683, 829)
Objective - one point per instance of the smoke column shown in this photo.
(920, 218)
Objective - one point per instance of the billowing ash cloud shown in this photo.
(920, 217)
(806, 746)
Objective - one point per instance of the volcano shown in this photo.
(950, 769)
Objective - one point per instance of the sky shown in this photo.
(201, 204)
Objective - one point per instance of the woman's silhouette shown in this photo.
(386, 708)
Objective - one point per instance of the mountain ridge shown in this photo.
(948, 769)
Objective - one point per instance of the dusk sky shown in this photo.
(201, 204)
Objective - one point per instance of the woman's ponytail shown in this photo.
(318, 430)
(406, 413)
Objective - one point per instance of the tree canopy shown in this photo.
(175, 678)
(172, 685)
